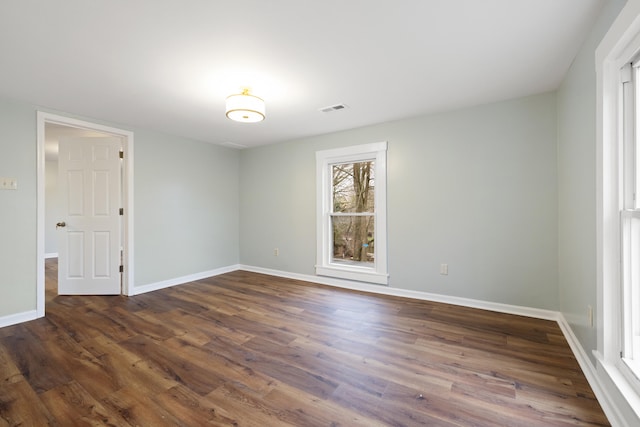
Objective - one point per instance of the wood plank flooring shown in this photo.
(244, 349)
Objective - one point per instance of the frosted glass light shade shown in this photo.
(245, 108)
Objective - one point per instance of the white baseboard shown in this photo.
(14, 319)
(137, 290)
(51, 255)
(609, 407)
(386, 290)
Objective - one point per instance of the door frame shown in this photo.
(127, 196)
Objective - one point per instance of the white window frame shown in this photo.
(324, 161)
(629, 222)
(615, 374)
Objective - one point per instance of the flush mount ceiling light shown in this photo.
(245, 108)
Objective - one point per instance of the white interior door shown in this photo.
(89, 181)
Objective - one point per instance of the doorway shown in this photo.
(52, 127)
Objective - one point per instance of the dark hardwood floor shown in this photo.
(244, 349)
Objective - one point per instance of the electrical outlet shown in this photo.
(444, 269)
(276, 252)
(590, 316)
(8, 183)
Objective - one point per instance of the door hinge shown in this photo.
(122, 154)
(121, 211)
(122, 269)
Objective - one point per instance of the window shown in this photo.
(351, 218)
(617, 256)
(630, 217)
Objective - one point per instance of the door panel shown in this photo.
(75, 190)
(101, 194)
(75, 242)
(102, 259)
(89, 186)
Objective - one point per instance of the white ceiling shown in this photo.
(169, 65)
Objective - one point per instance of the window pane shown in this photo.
(632, 148)
(353, 239)
(630, 222)
(353, 187)
(633, 287)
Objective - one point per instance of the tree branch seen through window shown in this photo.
(353, 212)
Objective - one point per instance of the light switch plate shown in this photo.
(8, 183)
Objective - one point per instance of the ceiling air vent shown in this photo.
(233, 145)
(331, 108)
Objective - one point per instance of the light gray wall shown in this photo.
(577, 184)
(186, 207)
(474, 188)
(18, 208)
(52, 212)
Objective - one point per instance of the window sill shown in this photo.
(620, 380)
(630, 369)
(357, 274)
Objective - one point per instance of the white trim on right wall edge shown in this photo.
(611, 410)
